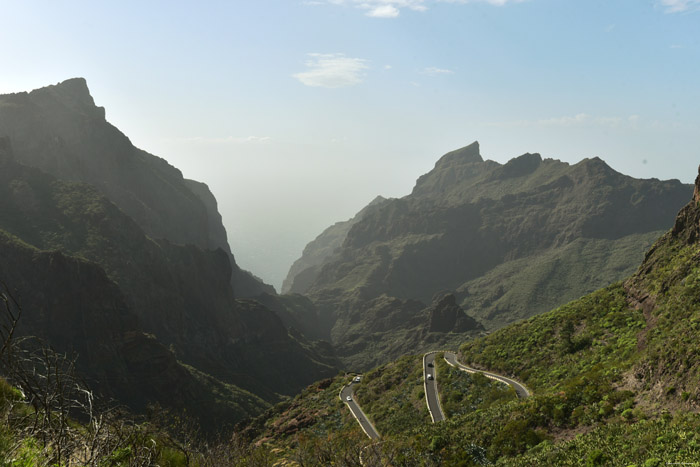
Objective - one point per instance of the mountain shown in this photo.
(171, 300)
(305, 270)
(72, 304)
(60, 130)
(507, 240)
(613, 377)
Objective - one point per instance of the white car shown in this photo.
(349, 398)
(357, 379)
(430, 376)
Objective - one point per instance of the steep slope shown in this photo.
(509, 241)
(72, 305)
(305, 270)
(60, 130)
(613, 374)
(181, 294)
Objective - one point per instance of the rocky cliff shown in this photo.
(126, 213)
(508, 240)
(71, 304)
(60, 130)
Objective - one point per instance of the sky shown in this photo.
(298, 113)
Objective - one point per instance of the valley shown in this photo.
(121, 266)
(613, 368)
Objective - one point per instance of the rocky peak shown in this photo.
(447, 316)
(450, 170)
(520, 166)
(378, 200)
(687, 225)
(73, 94)
(466, 155)
(595, 165)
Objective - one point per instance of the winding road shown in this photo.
(520, 389)
(432, 397)
(367, 427)
(431, 391)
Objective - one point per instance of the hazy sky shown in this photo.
(298, 113)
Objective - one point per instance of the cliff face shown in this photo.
(687, 225)
(177, 289)
(60, 130)
(181, 294)
(509, 240)
(72, 305)
(447, 316)
(245, 284)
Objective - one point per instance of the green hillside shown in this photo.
(508, 240)
(614, 377)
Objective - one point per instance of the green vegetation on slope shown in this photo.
(666, 440)
(315, 427)
(596, 334)
(461, 392)
(669, 289)
(525, 287)
(510, 241)
(614, 377)
(393, 396)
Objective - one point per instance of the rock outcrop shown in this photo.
(447, 316)
(687, 225)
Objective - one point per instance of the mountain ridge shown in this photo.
(469, 219)
(180, 292)
(613, 379)
(60, 130)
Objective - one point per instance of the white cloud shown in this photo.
(383, 11)
(392, 8)
(332, 71)
(433, 71)
(581, 119)
(678, 6)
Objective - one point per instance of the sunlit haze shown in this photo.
(298, 113)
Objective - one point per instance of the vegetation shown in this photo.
(393, 396)
(614, 376)
(665, 440)
(510, 241)
(595, 335)
(461, 392)
(525, 287)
